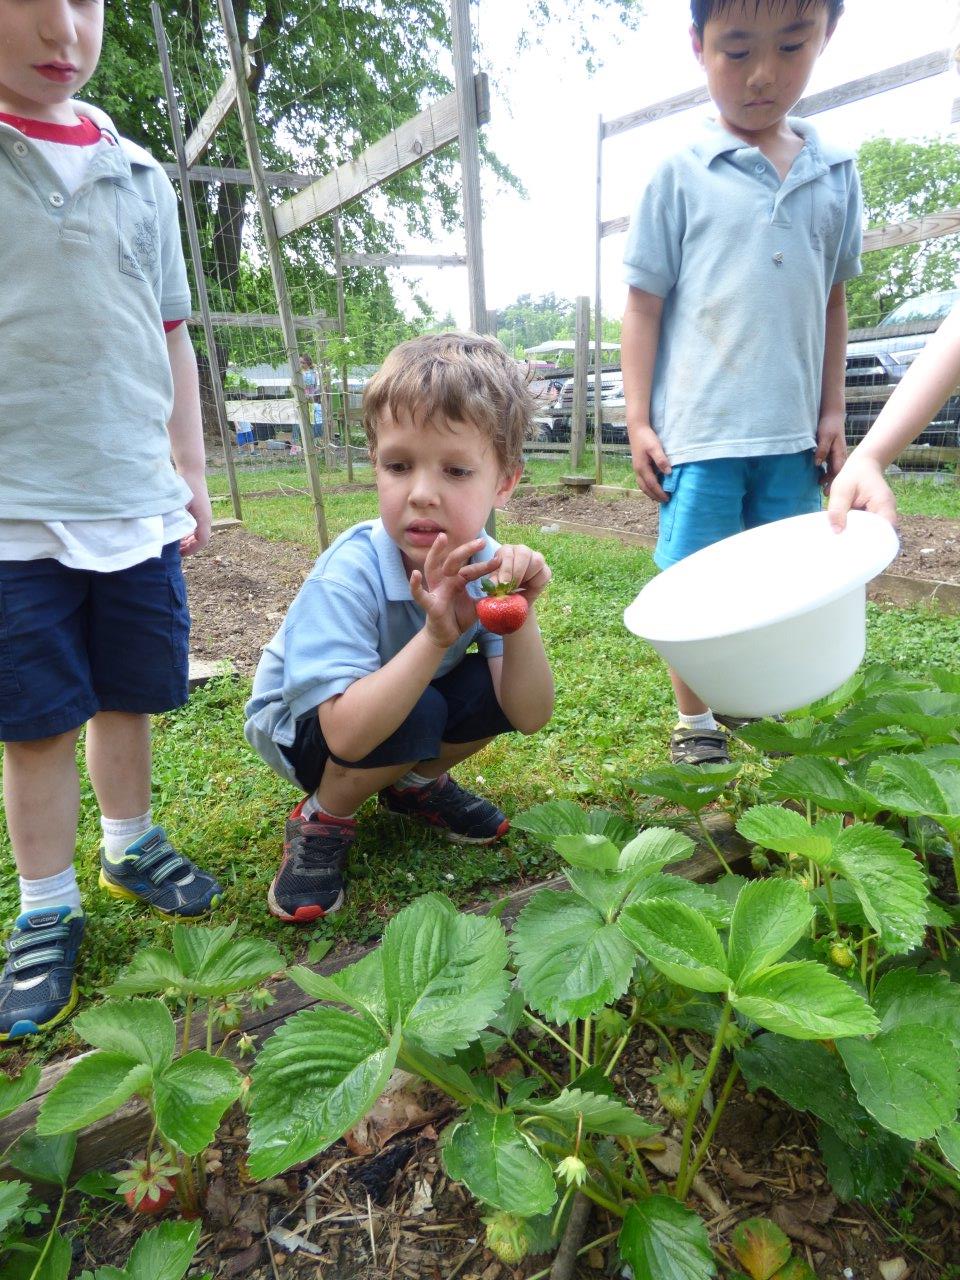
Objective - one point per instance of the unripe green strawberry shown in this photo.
(674, 1103)
(759, 860)
(572, 1171)
(506, 1236)
(842, 956)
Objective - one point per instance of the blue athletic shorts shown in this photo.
(717, 498)
(74, 642)
(460, 706)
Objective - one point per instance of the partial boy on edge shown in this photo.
(93, 514)
(367, 689)
(735, 330)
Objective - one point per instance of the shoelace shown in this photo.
(323, 849)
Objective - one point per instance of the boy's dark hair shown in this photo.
(703, 10)
(459, 377)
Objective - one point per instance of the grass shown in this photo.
(612, 718)
(925, 498)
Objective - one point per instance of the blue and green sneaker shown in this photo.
(37, 986)
(151, 870)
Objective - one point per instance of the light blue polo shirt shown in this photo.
(88, 278)
(745, 264)
(352, 615)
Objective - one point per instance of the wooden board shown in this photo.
(404, 259)
(405, 146)
(119, 1134)
(203, 173)
(263, 320)
(215, 114)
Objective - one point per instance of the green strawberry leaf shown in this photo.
(570, 962)
(803, 1000)
(784, 831)
(678, 941)
(903, 996)
(769, 917)
(869, 1168)
(907, 1078)
(444, 973)
(661, 1239)
(807, 1076)
(889, 882)
(491, 1157)
(761, 1247)
(44, 1159)
(139, 1029)
(317, 1075)
(596, 1113)
(16, 1090)
(93, 1088)
(190, 1098)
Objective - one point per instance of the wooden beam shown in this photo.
(904, 73)
(275, 411)
(262, 320)
(928, 227)
(404, 260)
(239, 177)
(221, 103)
(404, 147)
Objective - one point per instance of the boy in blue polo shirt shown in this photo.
(93, 516)
(368, 689)
(734, 335)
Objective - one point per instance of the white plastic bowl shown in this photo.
(770, 619)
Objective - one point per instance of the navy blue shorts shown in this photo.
(74, 642)
(458, 707)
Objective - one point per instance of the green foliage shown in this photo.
(903, 180)
(663, 1240)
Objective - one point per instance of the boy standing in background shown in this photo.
(93, 515)
(735, 331)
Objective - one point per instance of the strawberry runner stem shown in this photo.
(686, 1172)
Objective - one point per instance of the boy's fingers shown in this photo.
(482, 569)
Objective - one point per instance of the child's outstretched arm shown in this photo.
(639, 339)
(927, 384)
(360, 718)
(831, 438)
(186, 435)
(522, 677)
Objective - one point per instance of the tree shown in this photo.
(904, 180)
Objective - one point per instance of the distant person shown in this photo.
(735, 331)
(246, 442)
(927, 384)
(94, 516)
(368, 689)
(311, 385)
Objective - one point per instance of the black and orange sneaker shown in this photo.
(310, 882)
(449, 809)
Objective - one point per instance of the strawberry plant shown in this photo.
(629, 946)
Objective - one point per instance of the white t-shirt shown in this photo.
(103, 545)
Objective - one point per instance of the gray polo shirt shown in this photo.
(85, 385)
(351, 616)
(745, 264)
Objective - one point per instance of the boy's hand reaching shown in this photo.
(860, 486)
(441, 588)
(831, 446)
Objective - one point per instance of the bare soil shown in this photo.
(241, 586)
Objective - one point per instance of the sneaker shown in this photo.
(447, 807)
(37, 987)
(152, 871)
(699, 746)
(310, 882)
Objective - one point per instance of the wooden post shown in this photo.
(581, 362)
(342, 322)
(469, 134)
(598, 320)
(190, 217)
(248, 124)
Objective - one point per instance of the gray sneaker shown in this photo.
(699, 746)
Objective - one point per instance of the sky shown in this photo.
(544, 113)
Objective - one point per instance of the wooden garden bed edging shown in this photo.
(117, 1135)
(887, 588)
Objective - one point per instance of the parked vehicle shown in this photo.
(878, 358)
(613, 410)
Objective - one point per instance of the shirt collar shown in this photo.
(396, 584)
(716, 141)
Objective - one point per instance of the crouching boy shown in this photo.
(367, 689)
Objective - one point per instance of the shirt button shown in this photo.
(19, 148)
(56, 199)
(760, 168)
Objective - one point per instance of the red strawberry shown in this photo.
(502, 610)
(149, 1204)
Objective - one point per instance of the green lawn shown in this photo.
(612, 719)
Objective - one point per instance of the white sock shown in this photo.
(120, 833)
(50, 891)
(312, 806)
(705, 723)
(413, 779)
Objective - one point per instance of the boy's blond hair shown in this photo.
(454, 377)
